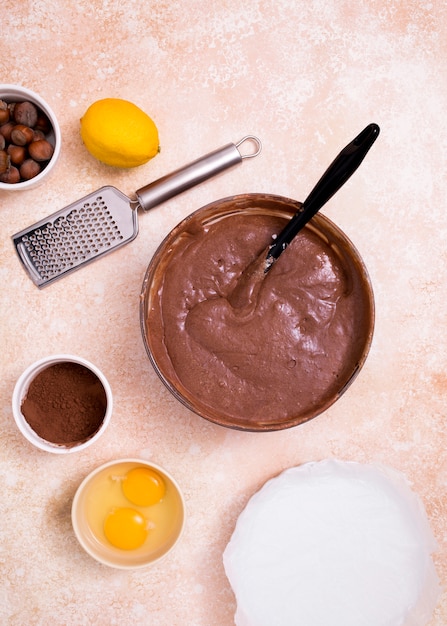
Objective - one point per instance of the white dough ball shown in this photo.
(333, 543)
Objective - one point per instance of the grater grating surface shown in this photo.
(79, 233)
(107, 219)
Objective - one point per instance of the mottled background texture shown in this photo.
(306, 77)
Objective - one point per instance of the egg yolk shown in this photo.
(143, 487)
(125, 528)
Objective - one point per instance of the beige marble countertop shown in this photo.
(305, 77)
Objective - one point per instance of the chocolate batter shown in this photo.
(288, 350)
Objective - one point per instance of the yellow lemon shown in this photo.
(119, 133)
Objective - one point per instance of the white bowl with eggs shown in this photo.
(128, 513)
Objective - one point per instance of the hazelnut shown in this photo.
(40, 150)
(4, 112)
(6, 129)
(26, 113)
(5, 161)
(12, 175)
(29, 169)
(43, 124)
(38, 134)
(24, 147)
(22, 135)
(17, 154)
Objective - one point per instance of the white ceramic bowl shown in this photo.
(16, 93)
(21, 389)
(167, 516)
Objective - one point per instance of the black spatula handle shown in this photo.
(334, 177)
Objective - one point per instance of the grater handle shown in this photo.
(194, 173)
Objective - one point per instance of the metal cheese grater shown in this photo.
(107, 219)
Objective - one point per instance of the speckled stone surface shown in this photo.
(305, 77)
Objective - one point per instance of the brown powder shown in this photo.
(65, 403)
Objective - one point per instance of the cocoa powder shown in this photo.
(65, 403)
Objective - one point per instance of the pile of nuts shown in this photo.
(24, 148)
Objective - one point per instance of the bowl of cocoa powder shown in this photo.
(62, 403)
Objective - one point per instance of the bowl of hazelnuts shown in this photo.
(30, 138)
